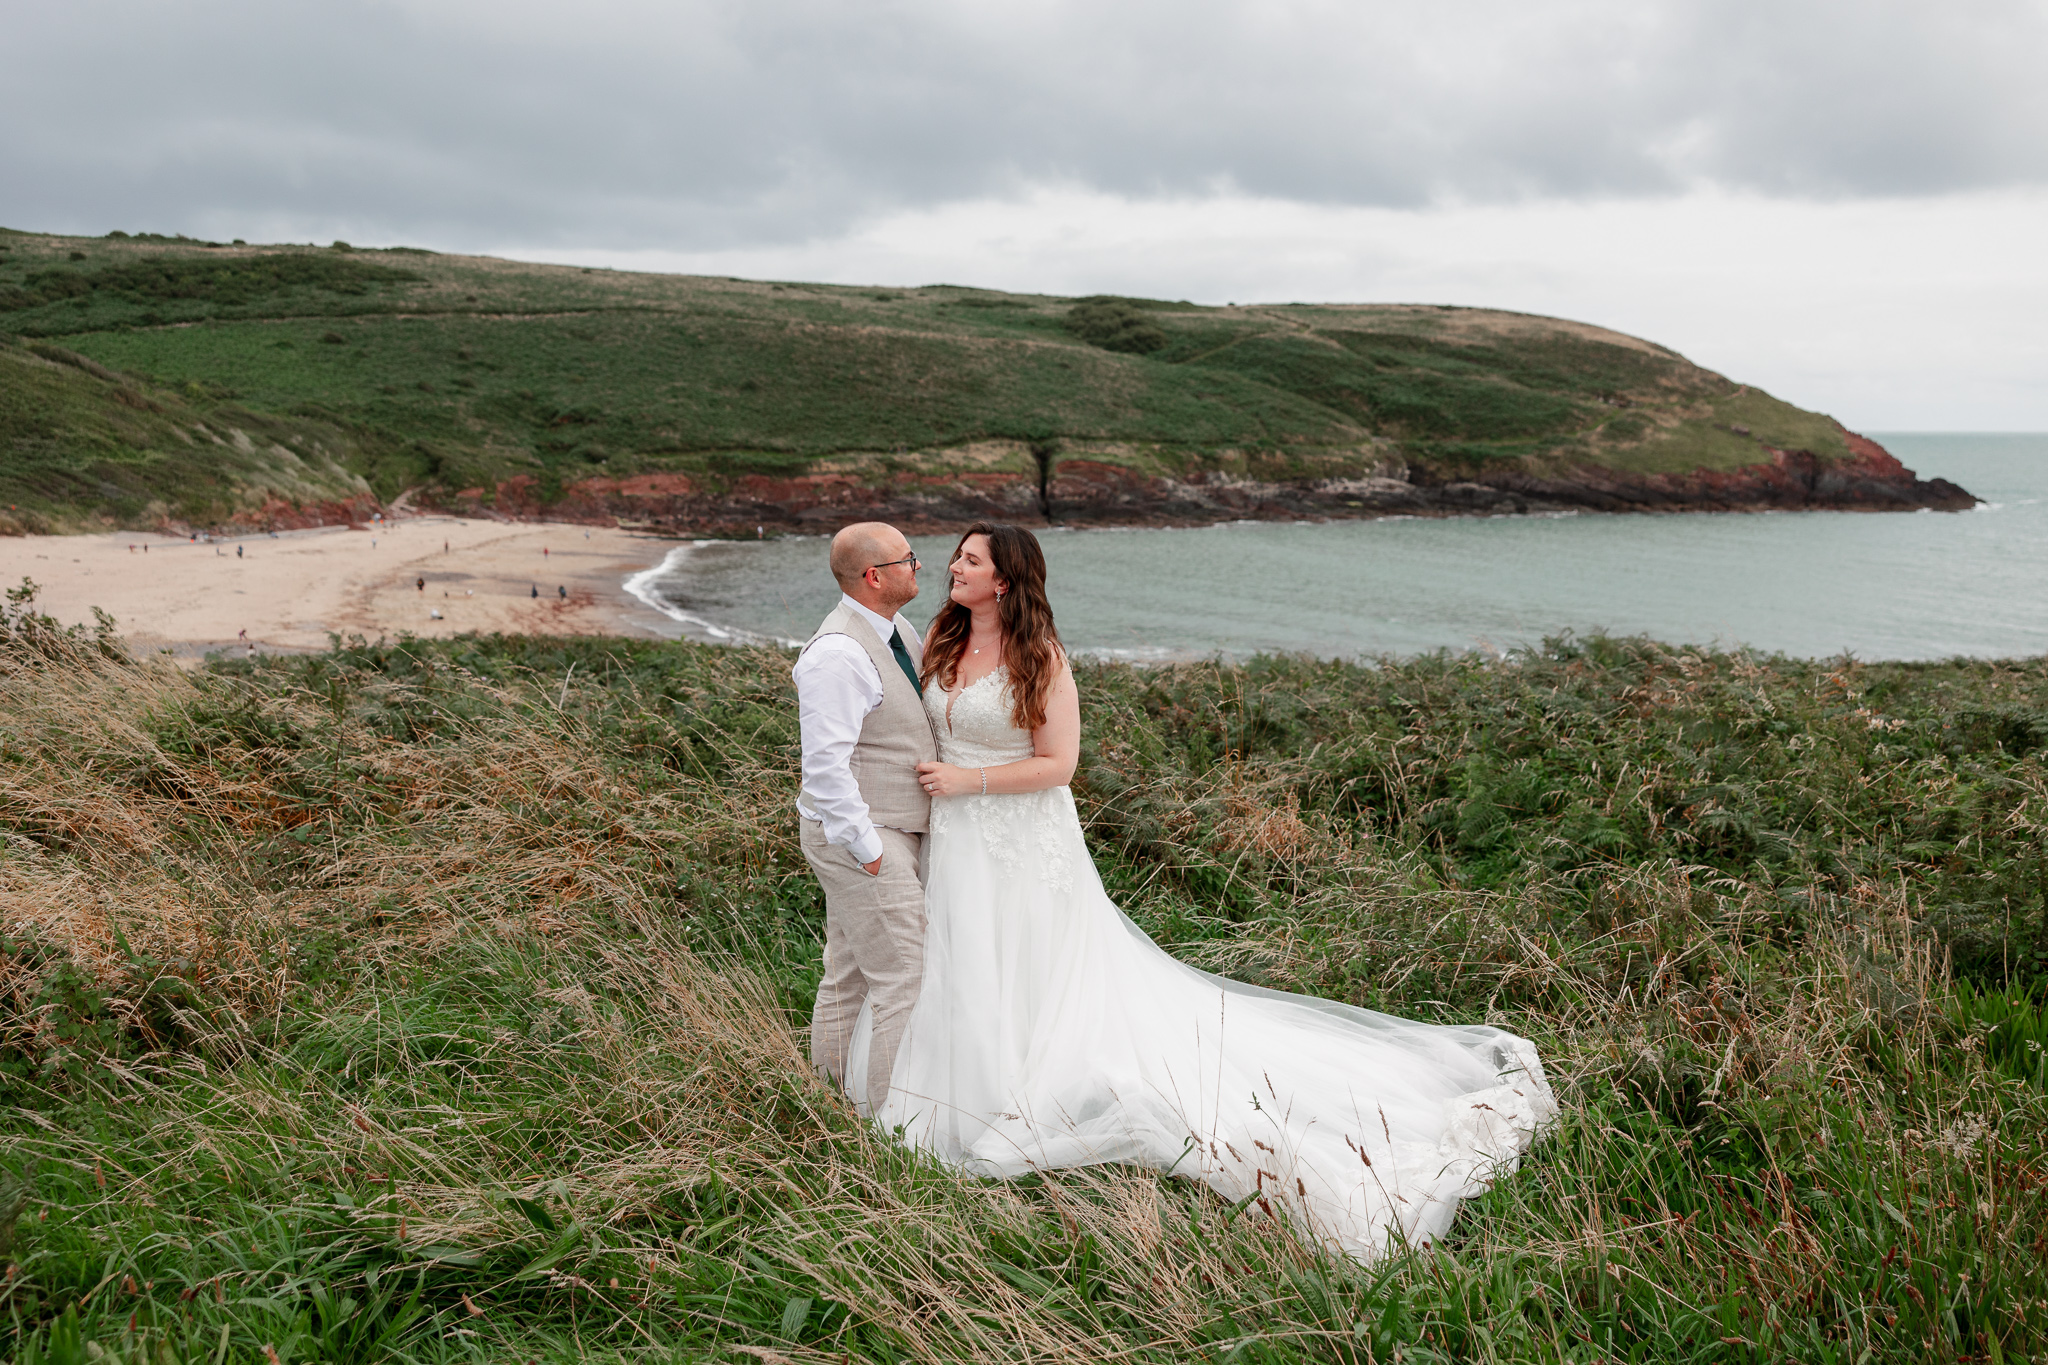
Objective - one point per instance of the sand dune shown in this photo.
(289, 591)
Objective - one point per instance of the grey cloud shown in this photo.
(696, 126)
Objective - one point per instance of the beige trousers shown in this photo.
(874, 950)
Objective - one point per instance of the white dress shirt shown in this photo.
(836, 687)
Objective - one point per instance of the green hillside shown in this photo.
(408, 369)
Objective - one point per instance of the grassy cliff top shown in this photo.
(404, 368)
(442, 1002)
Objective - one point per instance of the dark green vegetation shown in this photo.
(79, 436)
(1116, 325)
(453, 373)
(439, 1002)
(230, 282)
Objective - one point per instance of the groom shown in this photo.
(864, 815)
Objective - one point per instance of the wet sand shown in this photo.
(290, 591)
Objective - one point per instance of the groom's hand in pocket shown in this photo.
(873, 869)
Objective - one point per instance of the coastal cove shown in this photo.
(943, 684)
(1894, 585)
(1879, 586)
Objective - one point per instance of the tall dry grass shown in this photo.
(429, 1005)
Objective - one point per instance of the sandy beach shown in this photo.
(425, 575)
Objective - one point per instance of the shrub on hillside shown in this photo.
(230, 280)
(1115, 325)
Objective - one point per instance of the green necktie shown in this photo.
(903, 658)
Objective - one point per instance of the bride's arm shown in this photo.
(1057, 746)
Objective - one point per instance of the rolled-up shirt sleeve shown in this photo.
(836, 687)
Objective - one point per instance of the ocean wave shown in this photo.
(645, 587)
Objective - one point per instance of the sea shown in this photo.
(1875, 586)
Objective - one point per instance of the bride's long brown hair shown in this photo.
(1031, 644)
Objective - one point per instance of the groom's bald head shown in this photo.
(862, 545)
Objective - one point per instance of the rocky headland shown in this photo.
(1099, 492)
(168, 384)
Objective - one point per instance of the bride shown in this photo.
(1050, 1031)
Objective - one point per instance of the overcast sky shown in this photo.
(1844, 203)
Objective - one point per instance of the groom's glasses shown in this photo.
(912, 560)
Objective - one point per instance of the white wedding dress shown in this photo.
(1050, 1031)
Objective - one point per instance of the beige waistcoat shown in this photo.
(896, 736)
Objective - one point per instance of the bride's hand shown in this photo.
(943, 779)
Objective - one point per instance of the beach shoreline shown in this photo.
(427, 575)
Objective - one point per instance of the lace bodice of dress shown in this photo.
(978, 733)
(1028, 833)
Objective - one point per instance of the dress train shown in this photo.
(1051, 1032)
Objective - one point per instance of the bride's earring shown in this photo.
(999, 594)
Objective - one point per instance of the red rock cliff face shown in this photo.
(276, 514)
(1081, 491)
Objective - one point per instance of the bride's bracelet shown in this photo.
(984, 782)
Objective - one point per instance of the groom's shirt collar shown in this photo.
(884, 627)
